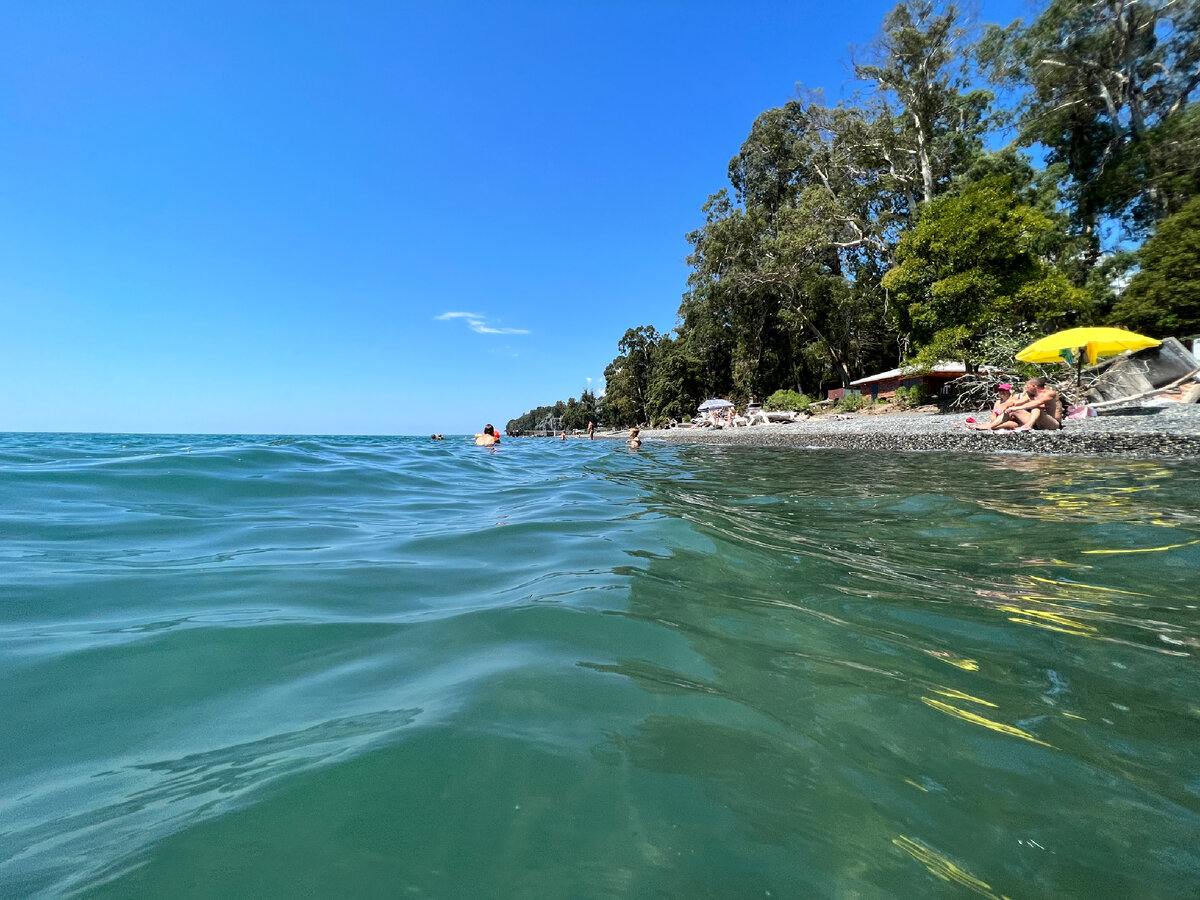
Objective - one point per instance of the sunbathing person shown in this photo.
(1038, 408)
(1005, 400)
(1042, 411)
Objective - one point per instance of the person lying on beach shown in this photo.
(488, 438)
(634, 440)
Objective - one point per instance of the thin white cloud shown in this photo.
(478, 323)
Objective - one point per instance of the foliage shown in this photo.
(1164, 296)
(911, 397)
(850, 402)
(575, 414)
(973, 263)
(787, 399)
(1105, 88)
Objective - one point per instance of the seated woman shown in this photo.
(1005, 400)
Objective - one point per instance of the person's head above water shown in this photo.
(488, 429)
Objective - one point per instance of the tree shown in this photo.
(918, 67)
(975, 262)
(676, 386)
(1163, 298)
(628, 377)
(1107, 86)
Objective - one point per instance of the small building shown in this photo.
(883, 386)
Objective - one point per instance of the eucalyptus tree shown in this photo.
(934, 119)
(1106, 87)
(677, 383)
(627, 378)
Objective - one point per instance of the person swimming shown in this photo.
(634, 440)
(488, 437)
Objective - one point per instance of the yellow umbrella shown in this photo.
(1095, 342)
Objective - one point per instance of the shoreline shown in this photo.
(1171, 432)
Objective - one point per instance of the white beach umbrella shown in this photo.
(714, 403)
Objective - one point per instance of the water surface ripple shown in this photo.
(278, 667)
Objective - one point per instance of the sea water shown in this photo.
(390, 667)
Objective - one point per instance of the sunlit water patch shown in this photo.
(388, 666)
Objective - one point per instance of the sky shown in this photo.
(366, 218)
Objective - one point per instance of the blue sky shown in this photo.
(365, 218)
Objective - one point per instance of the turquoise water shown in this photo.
(384, 667)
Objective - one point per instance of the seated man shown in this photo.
(1041, 409)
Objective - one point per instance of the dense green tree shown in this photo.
(575, 414)
(1163, 299)
(628, 377)
(976, 262)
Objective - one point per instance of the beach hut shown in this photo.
(883, 386)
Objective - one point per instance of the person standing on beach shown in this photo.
(591, 431)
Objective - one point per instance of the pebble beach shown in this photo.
(1171, 431)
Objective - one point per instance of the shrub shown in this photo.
(909, 397)
(850, 403)
(787, 400)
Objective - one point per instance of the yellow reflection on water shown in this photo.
(959, 695)
(1083, 610)
(1148, 549)
(959, 662)
(990, 724)
(1087, 587)
(1060, 489)
(943, 868)
(1056, 621)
